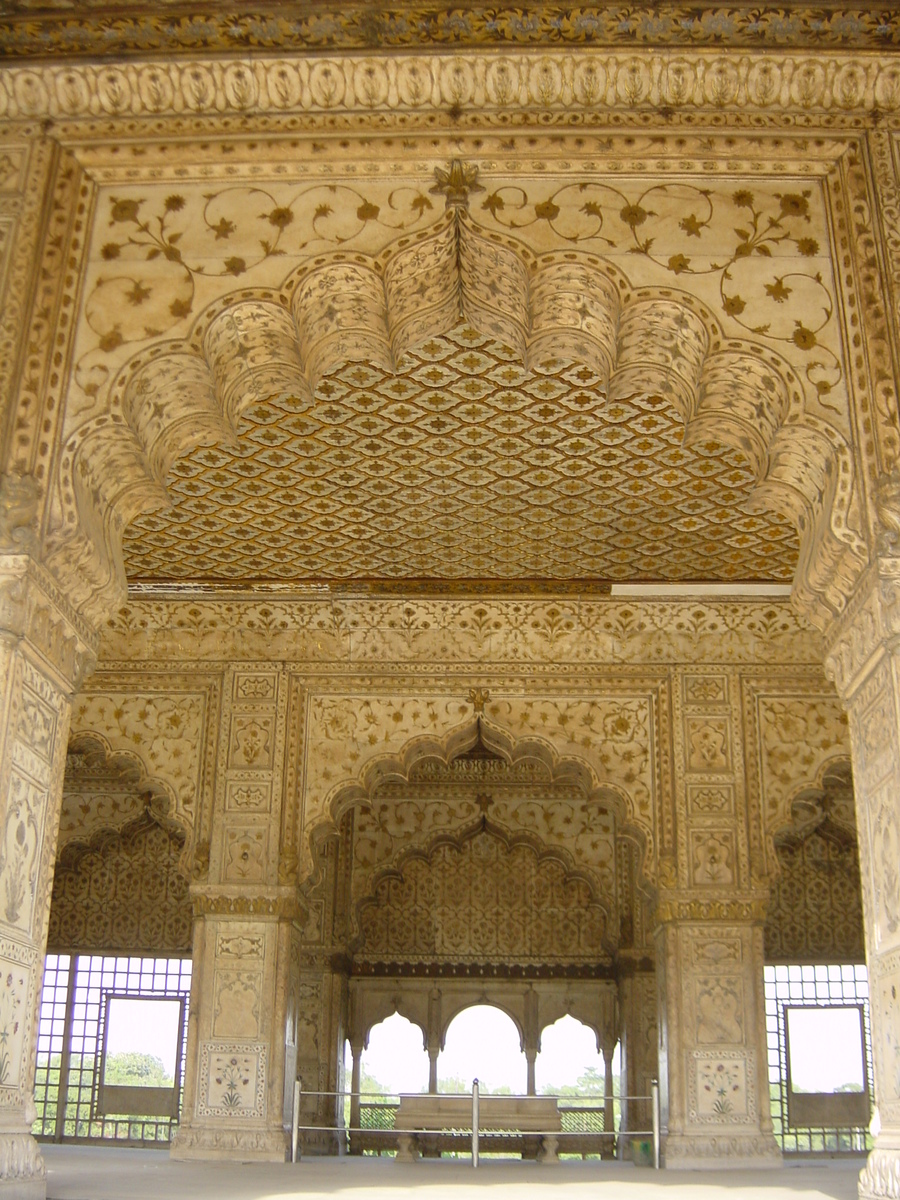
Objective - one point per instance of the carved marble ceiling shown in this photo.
(368, 389)
(463, 465)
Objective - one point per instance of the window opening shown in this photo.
(820, 1101)
(91, 1062)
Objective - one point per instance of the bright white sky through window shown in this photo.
(826, 1049)
(144, 1027)
(482, 1042)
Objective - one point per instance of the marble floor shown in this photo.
(100, 1173)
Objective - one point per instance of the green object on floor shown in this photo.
(642, 1152)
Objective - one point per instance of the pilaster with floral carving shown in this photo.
(234, 1077)
(44, 652)
(709, 943)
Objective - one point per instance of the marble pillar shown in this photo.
(863, 660)
(714, 1087)
(44, 652)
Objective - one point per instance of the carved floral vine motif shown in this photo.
(158, 247)
(69, 30)
(581, 213)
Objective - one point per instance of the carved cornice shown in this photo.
(34, 30)
(338, 79)
(34, 609)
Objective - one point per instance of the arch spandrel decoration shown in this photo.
(802, 740)
(713, 331)
(103, 791)
(484, 897)
(162, 734)
(121, 879)
(602, 748)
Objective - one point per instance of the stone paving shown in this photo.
(101, 1173)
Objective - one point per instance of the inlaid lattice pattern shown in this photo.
(461, 466)
(815, 908)
(123, 893)
(482, 900)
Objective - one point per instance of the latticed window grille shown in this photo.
(813, 986)
(70, 1037)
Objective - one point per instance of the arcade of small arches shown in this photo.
(448, 560)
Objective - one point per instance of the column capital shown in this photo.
(34, 609)
(676, 907)
(868, 627)
(280, 903)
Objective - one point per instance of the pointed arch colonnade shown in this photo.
(187, 240)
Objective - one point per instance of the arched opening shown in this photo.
(569, 1060)
(489, 884)
(571, 1066)
(394, 1059)
(482, 1042)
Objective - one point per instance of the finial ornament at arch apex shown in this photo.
(478, 697)
(456, 184)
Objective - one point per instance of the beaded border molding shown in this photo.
(565, 81)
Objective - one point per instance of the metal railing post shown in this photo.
(474, 1122)
(295, 1121)
(654, 1094)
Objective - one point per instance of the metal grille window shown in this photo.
(74, 1008)
(819, 986)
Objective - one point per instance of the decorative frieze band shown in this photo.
(572, 80)
(536, 630)
(28, 30)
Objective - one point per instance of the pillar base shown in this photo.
(241, 1145)
(720, 1152)
(22, 1173)
(880, 1177)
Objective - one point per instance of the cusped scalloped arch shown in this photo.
(341, 307)
(397, 766)
(128, 770)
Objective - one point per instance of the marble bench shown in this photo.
(516, 1116)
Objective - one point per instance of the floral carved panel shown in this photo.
(482, 899)
(232, 1080)
(815, 906)
(122, 892)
